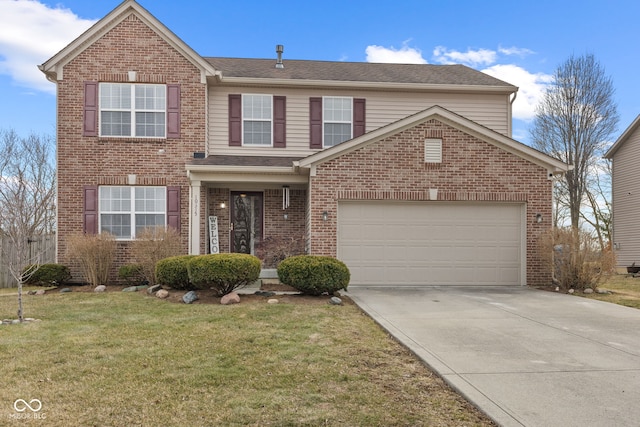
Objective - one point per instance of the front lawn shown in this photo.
(623, 289)
(117, 359)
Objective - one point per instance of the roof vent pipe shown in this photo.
(279, 50)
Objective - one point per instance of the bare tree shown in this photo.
(27, 194)
(598, 212)
(574, 120)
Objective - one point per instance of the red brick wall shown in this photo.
(394, 169)
(100, 161)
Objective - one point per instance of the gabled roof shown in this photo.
(623, 138)
(414, 76)
(53, 67)
(450, 118)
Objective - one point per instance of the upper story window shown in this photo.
(126, 211)
(257, 115)
(133, 110)
(257, 120)
(337, 119)
(334, 120)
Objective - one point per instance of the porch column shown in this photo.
(194, 218)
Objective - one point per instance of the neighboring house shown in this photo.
(407, 173)
(625, 195)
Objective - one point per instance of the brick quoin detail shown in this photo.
(394, 169)
(129, 46)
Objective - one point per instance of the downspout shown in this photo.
(513, 99)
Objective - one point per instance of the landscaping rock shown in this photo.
(588, 291)
(100, 288)
(162, 293)
(153, 289)
(31, 293)
(272, 301)
(335, 301)
(603, 292)
(65, 290)
(230, 298)
(40, 292)
(189, 297)
(130, 289)
(571, 291)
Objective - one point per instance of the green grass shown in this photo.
(118, 359)
(624, 290)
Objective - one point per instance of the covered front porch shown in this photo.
(255, 205)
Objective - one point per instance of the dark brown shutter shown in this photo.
(173, 111)
(315, 122)
(235, 120)
(90, 209)
(173, 207)
(359, 123)
(90, 123)
(279, 121)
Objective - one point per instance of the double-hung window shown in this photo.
(133, 110)
(126, 211)
(257, 117)
(337, 120)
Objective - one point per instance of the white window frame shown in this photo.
(246, 119)
(132, 109)
(132, 211)
(325, 121)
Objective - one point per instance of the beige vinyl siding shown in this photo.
(382, 108)
(626, 200)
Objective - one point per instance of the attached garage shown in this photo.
(432, 243)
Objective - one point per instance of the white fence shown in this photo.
(44, 245)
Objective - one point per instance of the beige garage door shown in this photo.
(417, 243)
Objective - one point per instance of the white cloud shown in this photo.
(31, 33)
(522, 52)
(472, 58)
(531, 87)
(404, 55)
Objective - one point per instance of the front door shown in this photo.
(246, 221)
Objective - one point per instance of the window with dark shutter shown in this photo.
(235, 120)
(359, 123)
(173, 207)
(279, 121)
(90, 209)
(315, 123)
(90, 119)
(173, 111)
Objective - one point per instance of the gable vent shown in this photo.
(433, 150)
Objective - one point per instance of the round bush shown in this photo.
(314, 274)
(173, 271)
(223, 272)
(48, 274)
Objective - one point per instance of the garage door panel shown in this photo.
(414, 243)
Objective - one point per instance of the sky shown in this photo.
(520, 42)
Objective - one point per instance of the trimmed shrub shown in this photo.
(314, 274)
(133, 274)
(46, 274)
(173, 272)
(223, 272)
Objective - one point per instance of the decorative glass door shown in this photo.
(246, 221)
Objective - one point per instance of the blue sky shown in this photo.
(519, 42)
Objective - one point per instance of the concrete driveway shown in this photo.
(525, 357)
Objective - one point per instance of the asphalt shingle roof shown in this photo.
(354, 72)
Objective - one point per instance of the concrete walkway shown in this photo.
(525, 357)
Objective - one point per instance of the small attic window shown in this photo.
(433, 150)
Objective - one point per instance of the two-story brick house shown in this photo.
(408, 173)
